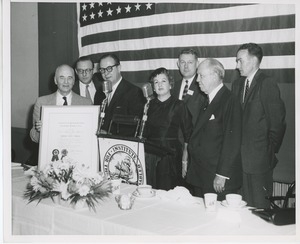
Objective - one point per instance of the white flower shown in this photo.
(84, 190)
(48, 168)
(56, 167)
(97, 178)
(35, 183)
(64, 166)
(30, 171)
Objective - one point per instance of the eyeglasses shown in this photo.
(108, 69)
(82, 71)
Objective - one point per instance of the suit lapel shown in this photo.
(192, 87)
(252, 87)
(119, 91)
(52, 99)
(205, 115)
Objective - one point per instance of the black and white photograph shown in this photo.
(149, 122)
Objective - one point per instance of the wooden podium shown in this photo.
(124, 157)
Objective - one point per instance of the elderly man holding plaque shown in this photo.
(64, 96)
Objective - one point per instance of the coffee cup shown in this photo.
(145, 190)
(210, 200)
(233, 200)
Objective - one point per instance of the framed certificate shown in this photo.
(69, 131)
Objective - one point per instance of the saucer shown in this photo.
(138, 195)
(241, 205)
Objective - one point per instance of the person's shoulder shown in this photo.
(46, 98)
(131, 86)
(265, 79)
(177, 101)
(80, 99)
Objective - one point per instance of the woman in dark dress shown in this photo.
(167, 117)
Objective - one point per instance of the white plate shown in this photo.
(242, 204)
(137, 195)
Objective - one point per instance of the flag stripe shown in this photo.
(263, 23)
(268, 62)
(275, 49)
(218, 39)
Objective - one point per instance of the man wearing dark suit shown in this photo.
(125, 98)
(187, 89)
(263, 125)
(64, 79)
(214, 147)
(86, 86)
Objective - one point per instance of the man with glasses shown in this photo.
(124, 99)
(85, 86)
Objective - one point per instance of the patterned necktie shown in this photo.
(185, 90)
(109, 98)
(65, 102)
(87, 92)
(246, 89)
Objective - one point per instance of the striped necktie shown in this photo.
(246, 89)
(185, 90)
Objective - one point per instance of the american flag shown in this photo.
(147, 36)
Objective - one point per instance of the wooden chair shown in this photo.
(290, 194)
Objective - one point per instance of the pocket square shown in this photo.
(212, 117)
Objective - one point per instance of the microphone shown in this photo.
(147, 91)
(148, 94)
(107, 87)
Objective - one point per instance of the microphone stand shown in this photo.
(102, 114)
(144, 119)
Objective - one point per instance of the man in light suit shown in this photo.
(125, 98)
(214, 147)
(86, 85)
(64, 79)
(187, 89)
(263, 125)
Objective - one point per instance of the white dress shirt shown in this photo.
(60, 100)
(183, 85)
(250, 78)
(214, 92)
(92, 89)
(114, 88)
(211, 96)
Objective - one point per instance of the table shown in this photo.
(153, 216)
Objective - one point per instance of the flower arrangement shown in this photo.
(69, 180)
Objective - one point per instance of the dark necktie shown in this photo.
(206, 102)
(87, 92)
(65, 102)
(185, 90)
(246, 89)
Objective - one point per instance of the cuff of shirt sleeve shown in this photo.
(222, 176)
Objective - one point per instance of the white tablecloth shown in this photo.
(153, 216)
